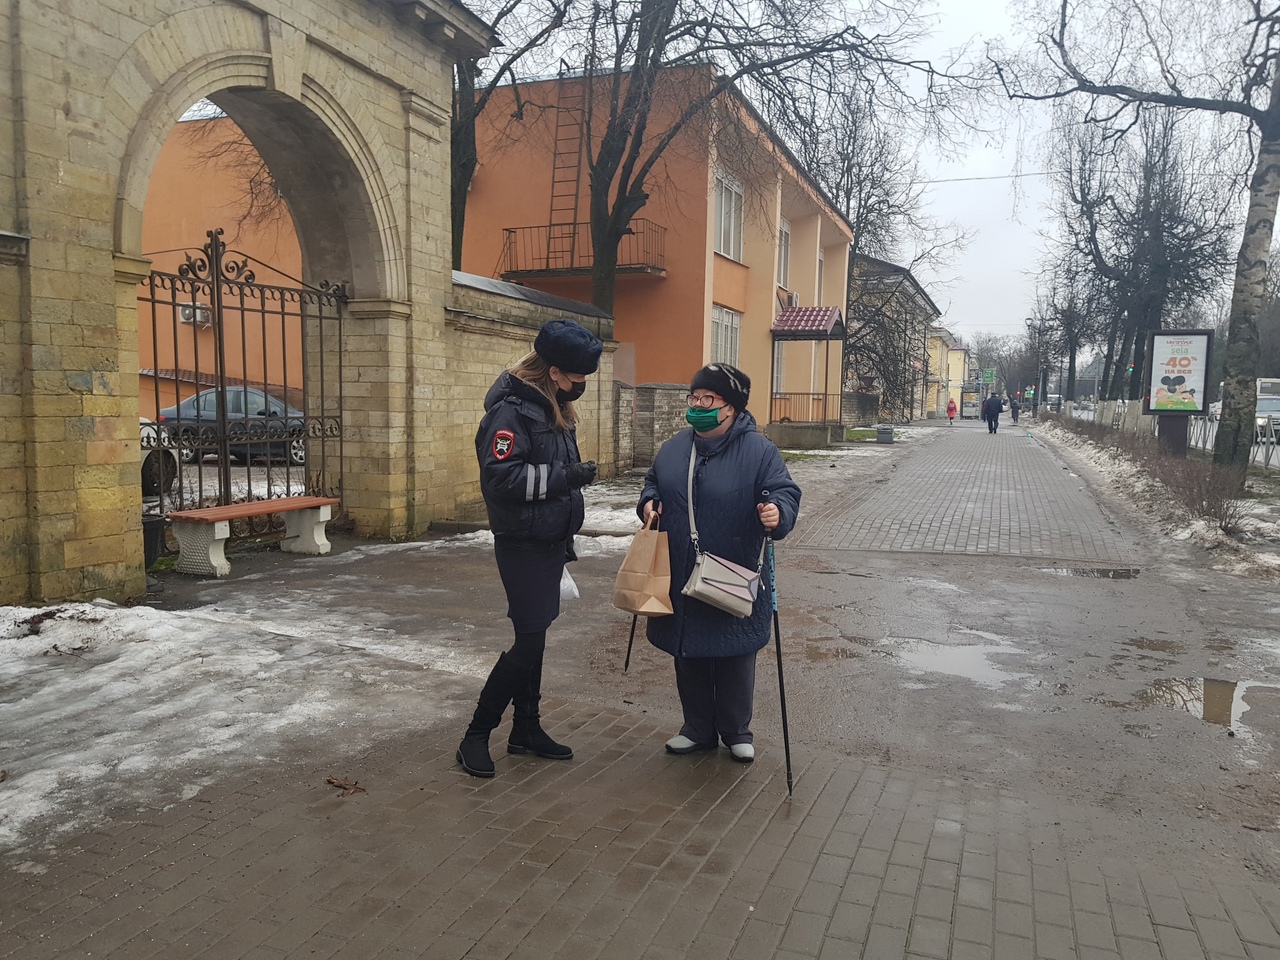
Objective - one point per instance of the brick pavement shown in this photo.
(962, 490)
(624, 852)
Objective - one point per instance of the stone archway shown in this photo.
(348, 102)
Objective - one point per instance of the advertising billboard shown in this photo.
(1177, 372)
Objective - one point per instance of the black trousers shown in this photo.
(717, 695)
(530, 572)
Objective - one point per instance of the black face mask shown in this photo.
(573, 393)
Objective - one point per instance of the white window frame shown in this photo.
(730, 203)
(726, 331)
(784, 254)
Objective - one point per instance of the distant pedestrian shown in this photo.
(532, 477)
(1014, 408)
(951, 413)
(991, 412)
(728, 465)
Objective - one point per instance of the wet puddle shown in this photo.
(843, 647)
(815, 653)
(972, 661)
(1097, 573)
(1155, 646)
(1220, 702)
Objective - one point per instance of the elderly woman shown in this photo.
(742, 493)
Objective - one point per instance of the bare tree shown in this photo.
(1144, 236)
(526, 26)
(856, 150)
(888, 329)
(216, 141)
(1216, 60)
(1074, 303)
(999, 353)
(757, 45)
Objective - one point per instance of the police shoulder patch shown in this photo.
(504, 441)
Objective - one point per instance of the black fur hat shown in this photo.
(729, 382)
(568, 345)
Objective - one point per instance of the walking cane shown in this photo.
(777, 643)
(627, 663)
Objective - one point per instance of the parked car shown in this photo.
(159, 463)
(258, 425)
(1268, 410)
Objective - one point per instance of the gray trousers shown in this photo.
(717, 694)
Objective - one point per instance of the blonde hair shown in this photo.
(536, 372)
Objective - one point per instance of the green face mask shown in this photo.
(704, 421)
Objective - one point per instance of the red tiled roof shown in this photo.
(808, 323)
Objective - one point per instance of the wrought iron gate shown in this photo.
(237, 370)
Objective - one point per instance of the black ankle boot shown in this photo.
(527, 735)
(473, 752)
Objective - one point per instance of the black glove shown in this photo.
(580, 474)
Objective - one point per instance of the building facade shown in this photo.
(729, 239)
(891, 320)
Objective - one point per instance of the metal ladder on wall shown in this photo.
(566, 176)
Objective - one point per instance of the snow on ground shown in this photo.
(101, 703)
(1254, 551)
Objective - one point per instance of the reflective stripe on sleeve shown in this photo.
(544, 471)
(530, 478)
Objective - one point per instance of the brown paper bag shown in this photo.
(643, 585)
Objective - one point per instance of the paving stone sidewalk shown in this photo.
(968, 491)
(624, 852)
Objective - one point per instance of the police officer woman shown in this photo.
(532, 477)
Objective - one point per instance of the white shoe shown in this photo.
(742, 752)
(682, 744)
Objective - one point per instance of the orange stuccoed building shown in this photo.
(737, 256)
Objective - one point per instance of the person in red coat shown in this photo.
(951, 412)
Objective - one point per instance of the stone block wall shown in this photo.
(660, 409)
(349, 104)
(860, 409)
(485, 333)
(624, 438)
(14, 565)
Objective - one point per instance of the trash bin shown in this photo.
(152, 538)
(884, 434)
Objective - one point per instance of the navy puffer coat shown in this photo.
(523, 455)
(732, 472)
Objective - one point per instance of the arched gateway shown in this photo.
(348, 101)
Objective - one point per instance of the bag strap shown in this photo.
(693, 527)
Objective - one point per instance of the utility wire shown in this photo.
(1002, 176)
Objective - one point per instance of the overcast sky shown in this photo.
(994, 286)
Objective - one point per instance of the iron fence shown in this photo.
(244, 374)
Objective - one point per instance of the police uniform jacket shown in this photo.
(523, 455)
(731, 473)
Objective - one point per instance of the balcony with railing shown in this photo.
(564, 250)
(805, 408)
